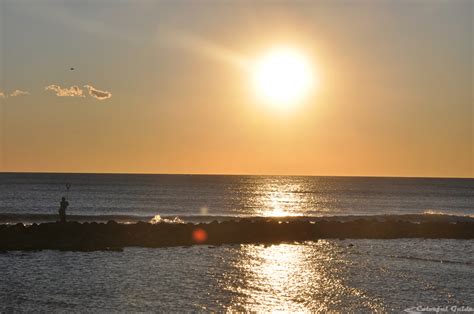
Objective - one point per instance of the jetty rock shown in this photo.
(91, 236)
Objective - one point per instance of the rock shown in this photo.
(113, 236)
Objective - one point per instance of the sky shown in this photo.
(165, 87)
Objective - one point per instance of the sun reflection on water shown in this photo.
(279, 200)
(292, 277)
(277, 196)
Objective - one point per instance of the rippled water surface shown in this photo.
(349, 275)
(188, 195)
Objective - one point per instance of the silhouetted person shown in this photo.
(62, 209)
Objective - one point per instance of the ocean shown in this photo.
(35, 197)
(326, 275)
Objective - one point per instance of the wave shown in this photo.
(427, 216)
(431, 260)
(446, 213)
(158, 219)
(122, 218)
(416, 258)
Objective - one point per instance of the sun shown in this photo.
(283, 77)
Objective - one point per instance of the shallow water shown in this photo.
(348, 275)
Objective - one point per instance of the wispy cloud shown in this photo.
(73, 91)
(18, 92)
(98, 94)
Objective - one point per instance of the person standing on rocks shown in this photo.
(62, 209)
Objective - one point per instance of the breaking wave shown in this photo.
(446, 213)
(157, 219)
(10, 218)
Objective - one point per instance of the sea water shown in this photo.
(338, 275)
(140, 197)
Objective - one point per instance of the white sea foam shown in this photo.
(157, 219)
(446, 213)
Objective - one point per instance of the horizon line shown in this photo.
(235, 174)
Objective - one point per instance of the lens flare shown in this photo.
(199, 235)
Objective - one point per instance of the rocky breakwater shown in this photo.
(115, 236)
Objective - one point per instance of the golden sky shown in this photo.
(166, 87)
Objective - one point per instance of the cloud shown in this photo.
(73, 91)
(2, 95)
(18, 92)
(98, 94)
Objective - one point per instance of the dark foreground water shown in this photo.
(344, 275)
(349, 275)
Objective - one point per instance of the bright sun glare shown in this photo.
(283, 77)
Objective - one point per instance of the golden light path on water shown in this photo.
(292, 277)
(296, 277)
(280, 198)
(278, 202)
